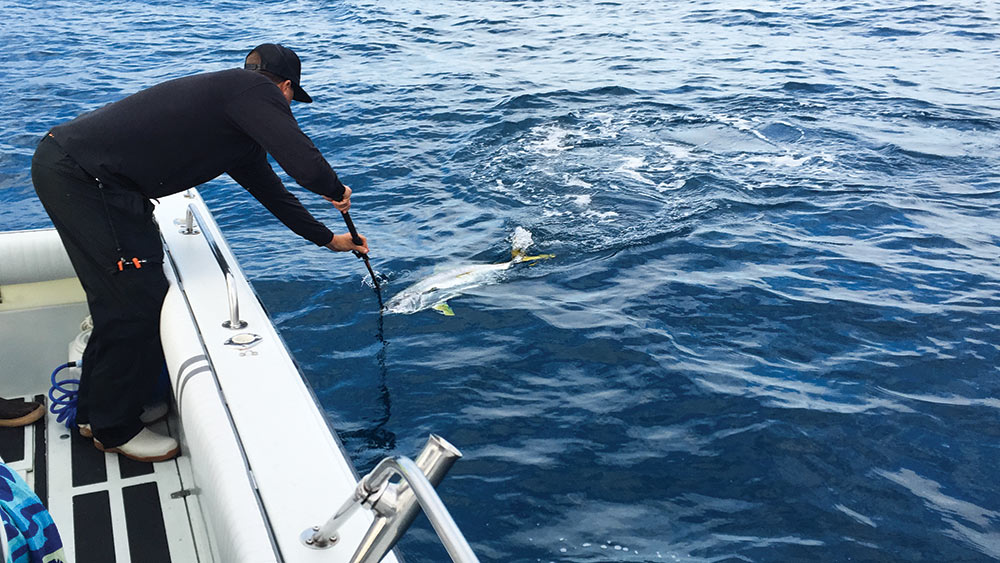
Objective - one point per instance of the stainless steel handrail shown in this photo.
(452, 538)
(396, 505)
(193, 217)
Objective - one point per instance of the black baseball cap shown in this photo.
(283, 63)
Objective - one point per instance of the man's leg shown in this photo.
(123, 356)
(125, 352)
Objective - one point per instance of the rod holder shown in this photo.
(396, 505)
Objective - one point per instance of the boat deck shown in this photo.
(107, 507)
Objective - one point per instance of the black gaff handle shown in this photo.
(356, 239)
(354, 232)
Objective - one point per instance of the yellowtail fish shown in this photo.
(435, 291)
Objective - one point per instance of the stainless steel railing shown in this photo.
(190, 226)
(396, 505)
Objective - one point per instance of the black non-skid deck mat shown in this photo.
(12, 444)
(93, 536)
(41, 460)
(130, 468)
(89, 466)
(147, 535)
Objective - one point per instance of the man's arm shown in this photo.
(264, 115)
(260, 180)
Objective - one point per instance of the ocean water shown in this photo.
(771, 330)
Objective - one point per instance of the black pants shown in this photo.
(124, 356)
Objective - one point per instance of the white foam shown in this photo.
(675, 185)
(554, 140)
(582, 200)
(676, 151)
(744, 125)
(629, 166)
(505, 189)
(737, 122)
(603, 117)
(600, 215)
(576, 182)
(787, 160)
(521, 239)
(608, 128)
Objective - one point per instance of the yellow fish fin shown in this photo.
(444, 309)
(538, 257)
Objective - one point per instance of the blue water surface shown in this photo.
(771, 330)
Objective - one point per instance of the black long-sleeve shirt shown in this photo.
(187, 131)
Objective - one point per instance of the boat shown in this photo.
(262, 476)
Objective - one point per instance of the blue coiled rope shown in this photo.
(63, 395)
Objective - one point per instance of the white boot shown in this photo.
(145, 446)
(150, 414)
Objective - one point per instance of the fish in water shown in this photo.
(435, 291)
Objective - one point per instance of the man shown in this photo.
(96, 175)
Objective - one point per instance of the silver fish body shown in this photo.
(435, 291)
